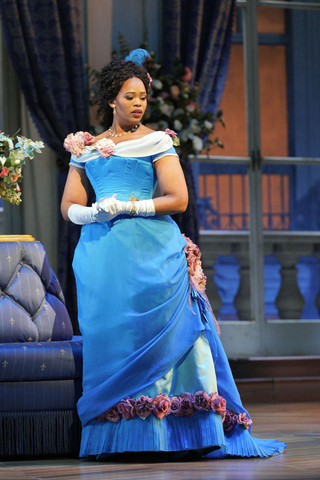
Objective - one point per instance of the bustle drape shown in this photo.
(44, 40)
(199, 32)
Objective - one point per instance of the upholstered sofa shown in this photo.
(40, 359)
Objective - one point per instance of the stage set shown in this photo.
(238, 81)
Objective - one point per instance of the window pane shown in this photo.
(233, 136)
(273, 100)
(271, 20)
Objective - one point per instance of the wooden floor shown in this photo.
(297, 424)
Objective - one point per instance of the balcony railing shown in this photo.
(288, 247)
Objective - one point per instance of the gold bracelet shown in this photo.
(133, 208)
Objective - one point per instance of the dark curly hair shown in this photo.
(112, 77)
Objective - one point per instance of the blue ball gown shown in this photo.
(148, 335)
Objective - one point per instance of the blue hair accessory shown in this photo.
(138, 56)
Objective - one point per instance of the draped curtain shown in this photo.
(44, 40)
(199, 32)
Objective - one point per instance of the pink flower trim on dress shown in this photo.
(193, 256)
(76, 144)
(171, 133)
(183, 405)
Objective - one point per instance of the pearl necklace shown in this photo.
(132, 130)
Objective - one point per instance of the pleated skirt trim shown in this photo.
(204, 429)
(240, 443)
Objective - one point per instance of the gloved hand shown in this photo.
(114, 207)
(81, 215)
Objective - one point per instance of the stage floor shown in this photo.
(296, 424)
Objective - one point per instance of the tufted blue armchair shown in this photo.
(40, 360)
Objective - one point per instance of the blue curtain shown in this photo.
(199, 32)
(44, 40)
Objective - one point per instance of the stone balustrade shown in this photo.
(286, 246)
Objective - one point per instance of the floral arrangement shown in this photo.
(193, 256)
(76, 143)
(184, 405)
(172, 104)
(13, 152)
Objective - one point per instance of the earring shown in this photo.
(114, 109)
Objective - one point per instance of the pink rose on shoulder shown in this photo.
(105, 147)
(76, 143)
(230, 420)
(161, 406)
(171, 133)
(176, 406)
(143, 406)
(112, 415)
(218, 405)
(187, 404)
(126, 408)
(201, 401)
(244, 420)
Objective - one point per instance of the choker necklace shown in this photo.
(132, 130)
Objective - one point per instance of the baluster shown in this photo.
(242, 298)
(289, 301)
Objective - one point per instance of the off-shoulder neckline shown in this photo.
(134, 139)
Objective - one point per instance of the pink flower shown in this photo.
(195, 271)
(15, 177)
(76, 143)
(230, 420)
(187, 76)
(112, 415)
(175, 91)
(150, 79)
(244, 420)
(105, 147)
(202, 401)
(161, 406)
(143, 406)
(4, 172)
(18, 188)
(187, 404)
(126, 407)
(218, 405)
(171, 133)
(176, 406)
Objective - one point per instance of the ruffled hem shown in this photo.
(240, 443)
(152, 434)
(175, 434)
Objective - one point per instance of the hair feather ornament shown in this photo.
(138, 56)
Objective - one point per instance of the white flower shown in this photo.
(183, 136)
(208, 125)
(194, 125)
(197, 143)
(177, 125)
(166, 109)
(157, 84)
(190, 107)
(3, 160)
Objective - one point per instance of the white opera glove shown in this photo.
(81, 215)
(143, 208)
(114, 207)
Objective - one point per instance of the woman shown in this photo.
(155, 375)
